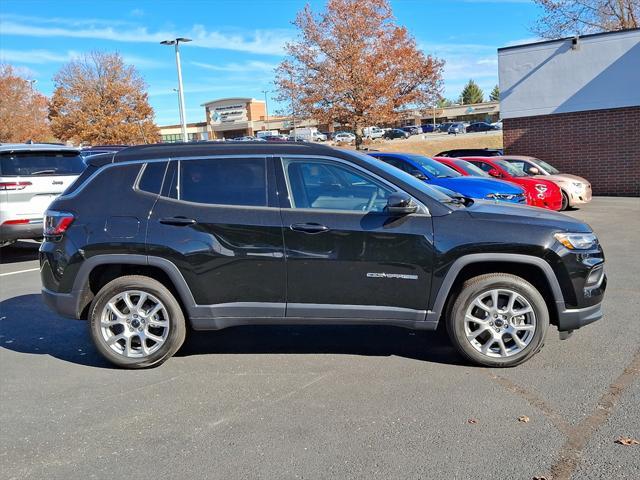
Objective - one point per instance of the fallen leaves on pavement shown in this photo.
(627, 441)
(523, 419)
(472, 421)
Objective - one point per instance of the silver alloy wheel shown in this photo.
(134, 324)
(500, 323)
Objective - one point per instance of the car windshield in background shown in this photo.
(511, 169)
(471, 169)
(406, 178)
(551, 170)
(434, 168)
(40, 163)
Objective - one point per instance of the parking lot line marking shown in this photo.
(19, 271)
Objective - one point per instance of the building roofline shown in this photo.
(243, 99)
(564, 39)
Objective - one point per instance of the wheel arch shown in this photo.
(98, 270)
(533, 269)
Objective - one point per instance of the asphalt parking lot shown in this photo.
(323, 402)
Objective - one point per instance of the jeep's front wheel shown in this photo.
(498, 320)
(136, 322)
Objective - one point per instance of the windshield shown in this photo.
(434, 168)
(510, 168)
(551, 170)
(471, 169)
(406, 178)
(40, 163)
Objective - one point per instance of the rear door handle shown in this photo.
(178, 221)
(309, 228)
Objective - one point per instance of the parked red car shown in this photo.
(540, 193)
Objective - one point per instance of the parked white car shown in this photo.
(344, 137)
(31, 177)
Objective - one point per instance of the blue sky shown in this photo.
(237, 43)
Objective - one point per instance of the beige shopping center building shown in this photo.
(238, 117)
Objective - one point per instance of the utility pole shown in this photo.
(266, 107)
(183, 117)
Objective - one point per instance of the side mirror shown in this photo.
(534, 171)
(401, 204)
(495, 173)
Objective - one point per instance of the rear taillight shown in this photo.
(56, 223)
(14, 185)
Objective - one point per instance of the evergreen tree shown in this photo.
(471, 93)
(494, 96)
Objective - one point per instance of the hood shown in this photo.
(563, 178)
(530, 182)
(477, 186)
(523, 214)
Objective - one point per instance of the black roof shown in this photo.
(176, 150)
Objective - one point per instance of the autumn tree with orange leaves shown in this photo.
(100, 100)
(354, 65)
(23, 110)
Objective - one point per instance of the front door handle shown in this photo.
(309, 228)
(178, 221)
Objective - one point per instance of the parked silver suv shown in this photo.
(31, 177)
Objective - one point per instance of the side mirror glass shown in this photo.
(534, 171)
(495, 173)
(401, 204)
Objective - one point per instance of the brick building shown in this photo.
(575, 103)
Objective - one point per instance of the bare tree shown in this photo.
(561, 18)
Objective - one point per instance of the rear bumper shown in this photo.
(572, 319)
(63, 303)
(33, 229)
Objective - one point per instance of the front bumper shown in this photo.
(581, 197)
(572, 319)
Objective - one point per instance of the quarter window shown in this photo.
(222, 181)
(152, 177)
(330, 186)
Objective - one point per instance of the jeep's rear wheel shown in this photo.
(498, 320)
(136, 322)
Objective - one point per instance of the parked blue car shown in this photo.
(435, 173)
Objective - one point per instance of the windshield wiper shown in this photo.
(43, 172)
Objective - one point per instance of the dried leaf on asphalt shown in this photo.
(539, 478)
(472, 421)
(523, 419)
(627, 441)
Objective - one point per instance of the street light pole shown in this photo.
(266, 107)
(183, 117)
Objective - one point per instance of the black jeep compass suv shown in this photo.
(154, 237)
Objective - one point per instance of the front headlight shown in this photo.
(577, 186)
(577, 241)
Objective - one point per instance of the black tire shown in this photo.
(474, 287)
(565, 201)
(177, 327)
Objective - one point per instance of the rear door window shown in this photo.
(40, 163)
(222, 181)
